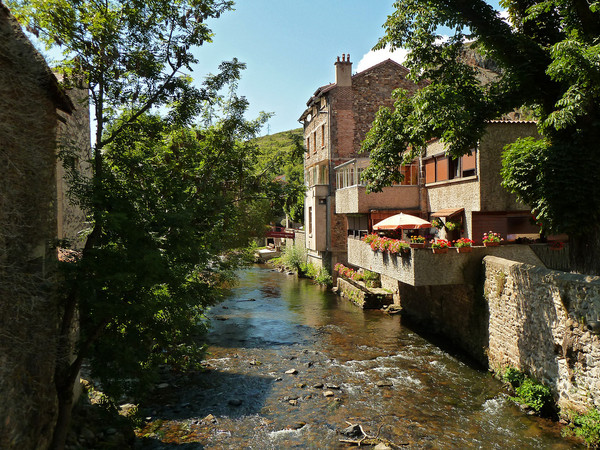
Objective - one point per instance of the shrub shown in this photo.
(585, 426)
(324, 278)
(513, 376)
(294, 258)
(533, 394)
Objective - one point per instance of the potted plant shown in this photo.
(417, 241)
(451, 226)
(491, 239)
(437, 223)
(463, 245)
(396, 246)
(440, 246)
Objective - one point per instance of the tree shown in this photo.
(169, 201)
(548, 57)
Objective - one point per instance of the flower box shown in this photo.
(464, 249)
(417, 245)
(440, 250)
(491, 244)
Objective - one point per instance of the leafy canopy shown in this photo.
(547, 59)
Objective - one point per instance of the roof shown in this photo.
(18, 49)
(329, 87)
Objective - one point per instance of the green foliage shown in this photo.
(513, 376)
(533, 394)
(545, 63)
(528, 391)
(585, 426)
(294, 258)
(324, 277)
(174, 194)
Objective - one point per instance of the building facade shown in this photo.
(336, 121)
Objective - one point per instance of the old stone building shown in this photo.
(35, 113)
(336, 121)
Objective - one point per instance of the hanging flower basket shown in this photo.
(440, 250)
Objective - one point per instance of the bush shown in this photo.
(294, 258)
(324, 278)
(585, 426)
(533, 394)
(513, 376)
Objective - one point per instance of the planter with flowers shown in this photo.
(463, 245)
(417, 241)
(437, 223)
(491, 239)
(440, 246)
(384, 244)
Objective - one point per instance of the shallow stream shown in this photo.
(375, 372)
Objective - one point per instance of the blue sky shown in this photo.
(289, 48)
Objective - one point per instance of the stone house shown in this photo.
(35, 113)
(336, 121)
(467, 191)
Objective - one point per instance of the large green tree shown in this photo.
(548, 58)
(174, 190)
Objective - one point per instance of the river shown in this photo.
(350, 367)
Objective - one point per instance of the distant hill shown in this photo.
(278, 141)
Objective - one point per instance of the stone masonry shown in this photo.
(546, 323)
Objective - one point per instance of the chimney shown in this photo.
(343, 71)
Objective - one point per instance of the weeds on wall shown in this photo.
(585, 426)
(529, 392)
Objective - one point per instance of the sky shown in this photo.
(290, 48)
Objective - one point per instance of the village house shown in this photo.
(336, 121)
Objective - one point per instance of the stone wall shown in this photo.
(29, 98)
(539, 322)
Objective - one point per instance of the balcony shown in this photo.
(421, 267)
(355, 200)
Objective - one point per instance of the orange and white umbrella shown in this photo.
(401, 222)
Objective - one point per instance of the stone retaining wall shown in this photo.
(539, 322)
(362, 296)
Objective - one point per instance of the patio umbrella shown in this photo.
(401, 222)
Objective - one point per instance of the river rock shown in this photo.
(328, 394)
(382, 446)
(162, 385)
(333, 386)
(293, 402)
(291, 372)
(384, 384)
(296, 426)
(210, 419)
(235, 402)
(318, 386)
(353, 431)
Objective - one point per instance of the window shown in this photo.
(314, 142)
(310, 220)
(308, 147)
(443, 168)
(323, 174)
(323, 136)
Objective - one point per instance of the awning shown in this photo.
(448, 212)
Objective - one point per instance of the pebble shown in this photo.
(318, 386)
(297, 426)
(162, 385)
(333, 386)
(210, 418)
(328, 394)
(382, 446)
(291, 372)
(278, 379)
(384, 384)
(293, 402)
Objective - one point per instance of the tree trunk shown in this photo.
(63, 421)
(584, 252)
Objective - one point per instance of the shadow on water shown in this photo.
(212, 392)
